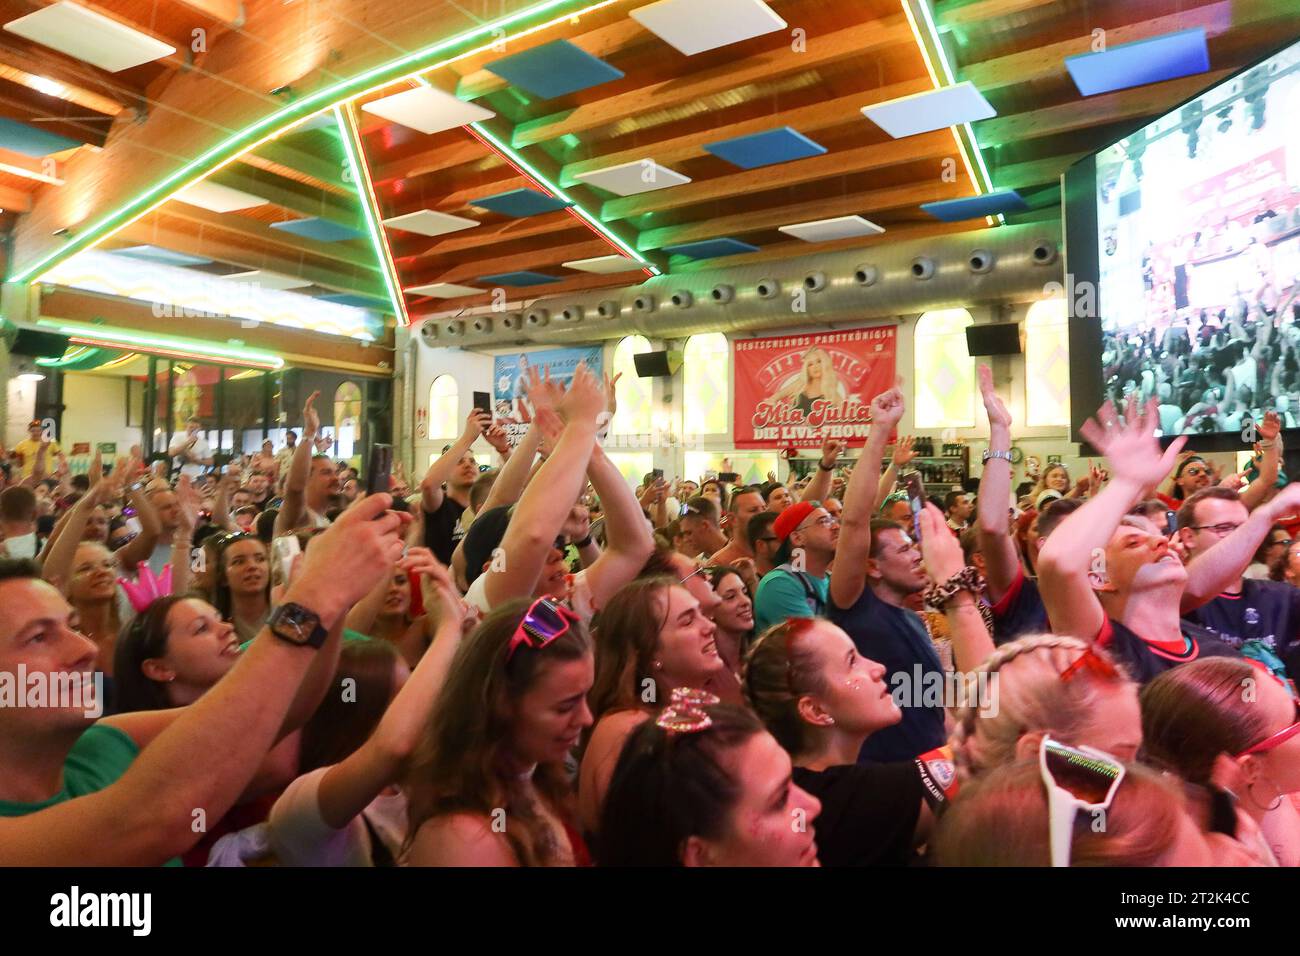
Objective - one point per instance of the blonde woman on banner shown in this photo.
(816, 380)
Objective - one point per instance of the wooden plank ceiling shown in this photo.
(667, 107)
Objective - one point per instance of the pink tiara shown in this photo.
(147, 588)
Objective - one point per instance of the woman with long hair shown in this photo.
(386, 615)
(651, 637)
(172, 653)
(733, 618)
(1228, 729)
(821, 700)
(817, 380)
(705, 785)
(94, 593)
(241, 585)
(489, 787)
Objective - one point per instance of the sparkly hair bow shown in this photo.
(147, 588)
(685, 714)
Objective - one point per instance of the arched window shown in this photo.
(635, 398)
(444, 408)
(704, 372)
(945, 372)
(347, 418)
(1047, 364)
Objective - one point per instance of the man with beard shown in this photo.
(444, 492)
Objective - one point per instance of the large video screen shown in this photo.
(1198, 255)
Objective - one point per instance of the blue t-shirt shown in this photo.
(783, 594)
(1265, 613)
(1020, 611)
(895, 638)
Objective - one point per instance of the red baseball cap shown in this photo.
(791, 518)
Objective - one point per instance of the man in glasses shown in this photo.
(797, 586)
(1256, 615)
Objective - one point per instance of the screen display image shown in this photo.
(1198, 255)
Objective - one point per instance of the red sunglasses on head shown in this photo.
(545, 620)
(1093, 662)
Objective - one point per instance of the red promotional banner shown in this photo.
(796, 390)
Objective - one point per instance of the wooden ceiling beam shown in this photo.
(914, 148)
(17, 108)
(433, 160)
(229, 12)
(411, 246)
(83, 85)
(291, 195)
(953, 13)
(295, 346)
(807, 119)
(864, 203)
(13, 199)
(1038, 172)
(860, 40)
(319, 168)
(251, 230)
(1132, 104)
(1048, 62)
(224, 247)
(547, 258)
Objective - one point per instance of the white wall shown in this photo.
(19, 408)
(473, 373)
(95, 411)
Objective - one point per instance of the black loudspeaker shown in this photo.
(37, 344)
(1002, 339)
(657, 364)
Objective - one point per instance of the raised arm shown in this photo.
(1068, 556)
(1209, 574)
(854, 547)
(57, 568)
(1270, 434)
(293, 505)
(545, 395)
(221, 504)
(545, 503)
(992, 523)
(211, 749)
(941, 552)
(183, 538)
(141, 546)
(431, 492)
(903, 455)
(350, 785)
(628, 541)
(820, 486)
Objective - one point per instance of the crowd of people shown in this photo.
(538, 665)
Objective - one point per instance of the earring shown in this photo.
(1250, 792)
(658, 666)
(172, 678)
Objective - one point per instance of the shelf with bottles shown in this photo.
(950, 467)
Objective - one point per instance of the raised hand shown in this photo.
(611, 393)
(578, 525)
(1131, 445)
(993, 406)
(1270, 426)
(940, 549)
(476, 423)
(585, 398)
(497, 438)
(310, 418)
(887, 408)
(441, 599)
(831, 449)
(550, 425)
(190, 503)
(903, 451)
(543, 393)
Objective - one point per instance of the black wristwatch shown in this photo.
(583, 543)
(295, 624)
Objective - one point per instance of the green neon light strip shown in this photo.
(79, 354)
(149, 342)
(591, 220)
(282, 120)
(355, 152)
(942, 54)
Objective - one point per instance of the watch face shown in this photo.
(294, 623)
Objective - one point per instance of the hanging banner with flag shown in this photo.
(796, 390)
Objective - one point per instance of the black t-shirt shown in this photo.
(1146, 660)
(895, 638)
(1020, 611)
(1264, 611)
(442, 531)
(869, 812)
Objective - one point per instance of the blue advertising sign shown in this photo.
(510, 381)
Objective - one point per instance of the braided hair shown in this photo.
(1030, 696)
